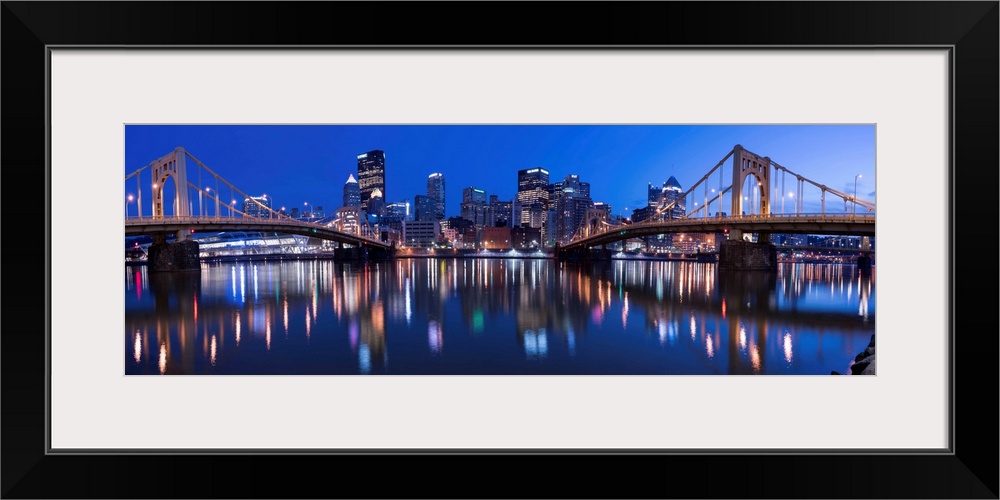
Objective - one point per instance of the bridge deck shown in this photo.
(859, 225)
(149, 225)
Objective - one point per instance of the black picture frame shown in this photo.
(969, 28)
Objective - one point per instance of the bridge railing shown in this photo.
(805, 217)
(279, 221)
(219, 218)
(750, 217)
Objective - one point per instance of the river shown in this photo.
(469, 316)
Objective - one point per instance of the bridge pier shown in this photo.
(363, 253)
(583, 254)
(707, 258)
(737, 255)
(182, 255)
(865, 265)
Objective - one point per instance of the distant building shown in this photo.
(392, 219)
(474, 207)
(672, 192)
(425, 208)
(653, 194)
(524, 238)
(669, 193)
(348, 220)
(376, 204)
(497, 238)
(550, 229)
(257, 206)
(371, 175)
(501, 212)
(643, 214)
(536, 215)
(473, 194)
(532, 189)
(399, 209)
(457, 223)
(604, 207)
(572, 203)
(435, 191)
(451, 237)
(476, 213)
(352, 192)
(421, 233)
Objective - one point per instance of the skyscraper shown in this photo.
(425, 207)
(532, 189)
(571, 207)
(352, 192)
(473, 195)
(376, 204)
(371, 175)
(500, 213)
(252, 206)
(474, 206)
(672, 192)
(400, 209)
(435, 191)
(653, 196)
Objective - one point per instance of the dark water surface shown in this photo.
(495, 316)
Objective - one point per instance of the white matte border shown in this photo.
(95, 92)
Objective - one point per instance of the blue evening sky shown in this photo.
(295, 164)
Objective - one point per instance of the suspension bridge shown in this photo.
(212, 214)
(751, 187)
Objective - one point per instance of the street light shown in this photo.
(306, 203)
(232, 209)
(128, 200)
(854, 205)
(206, 190)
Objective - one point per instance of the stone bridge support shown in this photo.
(735, 255)
(181, 255)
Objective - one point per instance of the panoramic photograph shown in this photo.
(578, 249)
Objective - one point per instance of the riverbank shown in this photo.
(863, 363)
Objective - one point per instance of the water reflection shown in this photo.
(498, 317)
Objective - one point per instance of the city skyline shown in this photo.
(299, 165)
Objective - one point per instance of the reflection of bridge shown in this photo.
(752, 189)
(749, 297)
(212, 214)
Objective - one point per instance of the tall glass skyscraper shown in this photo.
(371, 175)
(425, 207)
(532, 189)
(435, 191)
(474, 207)
(672, 192)
(352, 193)
(571, 208)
